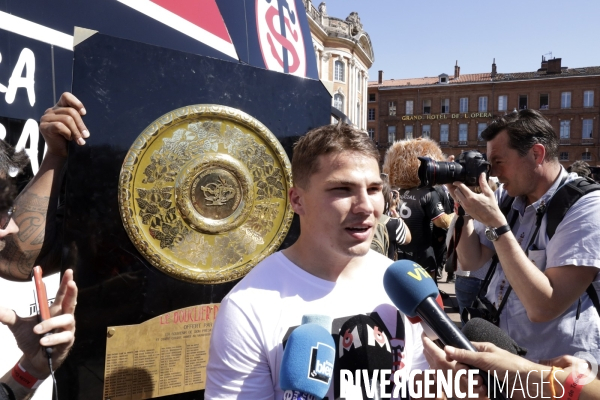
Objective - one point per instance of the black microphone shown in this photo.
(363, 345)
(413, 292)
(480, 330)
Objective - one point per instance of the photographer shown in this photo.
(422, 207)
(550, 312)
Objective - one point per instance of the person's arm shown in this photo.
(545, 295)
(491, 358)
(27, 333)
(471, 253)
(438, 360)
(35, 208)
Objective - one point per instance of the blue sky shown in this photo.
(420, 38)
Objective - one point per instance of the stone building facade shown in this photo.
(344, 55)
(454, 109)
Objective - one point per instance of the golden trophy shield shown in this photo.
(203, 193)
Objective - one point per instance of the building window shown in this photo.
(480, 128)
(444, 129)
(372, 97)
(565, 100)
(565, 129)
(426, 106)
(408, 132)
(391, 134)
(392, 108)
(502, 100)
(564, 156)
(464, 104)
(462, 133)
(445, 106)
(358, 81)
(409, 107)
(371, 132)
(426, 131)
(588, 98)
(338, 102)
(587, 156)
(483, 104)
(544, 102)
(339, 71)
(586, 133)
(358, 115)
(522, 102)
(371, 114)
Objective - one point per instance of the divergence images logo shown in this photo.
(280, 36)
(321, 368)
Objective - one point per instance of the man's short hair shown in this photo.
(11, 162)
(525, 128)
(581, 168)
(327, 139)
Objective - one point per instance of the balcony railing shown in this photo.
(587, 141)
(462, 143)
(565, 140)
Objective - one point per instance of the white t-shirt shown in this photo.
(575, 242)
(246, 345)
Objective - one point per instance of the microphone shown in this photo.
(428, 331)
(365, 347)
(480, 330)
(307, 364)
(413, 292)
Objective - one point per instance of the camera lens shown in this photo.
(433, 172)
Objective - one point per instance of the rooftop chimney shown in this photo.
(544, 65)
(380, 80)
(554, 66)
(456, 70)
(494, 73)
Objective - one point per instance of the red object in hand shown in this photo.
(40, 289)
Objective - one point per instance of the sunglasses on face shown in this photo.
(6, 218)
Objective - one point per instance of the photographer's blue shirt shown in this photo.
(575, 243)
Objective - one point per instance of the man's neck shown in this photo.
(547, 177)
(324, 266)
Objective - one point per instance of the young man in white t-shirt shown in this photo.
(330, 270)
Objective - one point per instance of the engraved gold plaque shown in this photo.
(203, 193)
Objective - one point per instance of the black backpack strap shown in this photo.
(567, 195)
(564, 198)
(593, 294)
(507, 205)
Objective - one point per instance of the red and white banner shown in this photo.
(199, 19)
(280, 36)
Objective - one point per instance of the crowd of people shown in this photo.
(539, 285)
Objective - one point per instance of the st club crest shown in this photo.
(280, 36)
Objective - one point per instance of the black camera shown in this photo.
(466, 169)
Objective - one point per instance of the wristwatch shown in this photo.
(494, 233)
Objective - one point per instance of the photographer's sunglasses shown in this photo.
(7, 217)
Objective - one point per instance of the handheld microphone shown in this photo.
(412, 291)
(480, 330)
(307, 365)
(428, 331)
(364, 346)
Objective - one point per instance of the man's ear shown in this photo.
(295, 195)
(539, 153)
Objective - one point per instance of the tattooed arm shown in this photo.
(38, 240)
